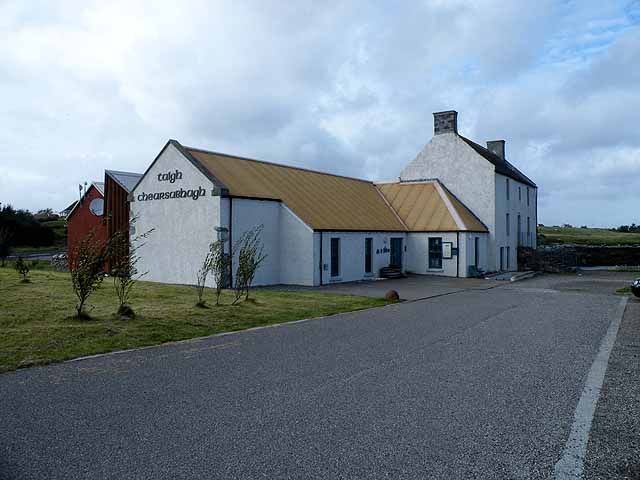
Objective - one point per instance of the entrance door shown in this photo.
(477, 252)
(368, 254)
(435, 253)
(396, 253)
(335, 257)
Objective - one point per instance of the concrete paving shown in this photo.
(473, 384)
(412, 287)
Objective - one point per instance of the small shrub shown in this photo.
(122, 255)
(201, 279)
(250, 255)
(86, 268)
(23, 269)
(220, 266)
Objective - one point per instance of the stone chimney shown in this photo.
(445, 122)
(497, 147)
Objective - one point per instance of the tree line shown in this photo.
(21, 227)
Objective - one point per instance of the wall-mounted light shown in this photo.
(223, 233)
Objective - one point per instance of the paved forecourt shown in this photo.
(476, 384)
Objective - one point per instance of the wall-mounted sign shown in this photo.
(193, 194)
(447, 250)
(170, 177)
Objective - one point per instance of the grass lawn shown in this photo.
(588, 236)
(624, 290)
(37, 328)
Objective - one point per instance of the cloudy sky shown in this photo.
(346, 87)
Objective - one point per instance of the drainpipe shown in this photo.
(320, 258)
(231, 241)
(458, 256)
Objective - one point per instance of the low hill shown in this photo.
(587, 236)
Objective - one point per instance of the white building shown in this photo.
(502, 197)
(318, 228)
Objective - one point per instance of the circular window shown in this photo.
(97, 206)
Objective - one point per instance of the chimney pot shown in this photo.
(497, 147)
(445, 122)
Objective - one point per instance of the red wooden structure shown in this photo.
(104, 208)
(117, 186)
(87, 215)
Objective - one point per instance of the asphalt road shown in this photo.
(614, 444)
(476, 384)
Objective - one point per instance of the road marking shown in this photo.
(571, 465)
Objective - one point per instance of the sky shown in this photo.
(344, 87)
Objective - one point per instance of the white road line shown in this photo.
(571, 464)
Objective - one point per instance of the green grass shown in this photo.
(624, 290)
(37, 324)
(587, 236)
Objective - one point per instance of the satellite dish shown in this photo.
(97, 207)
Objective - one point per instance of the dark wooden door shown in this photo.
(396, 253)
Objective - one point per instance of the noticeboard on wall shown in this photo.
(447, 250)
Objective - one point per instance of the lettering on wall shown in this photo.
(191, 193)
(171, 177)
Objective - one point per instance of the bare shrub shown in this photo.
(86, 268)
(250, 256)
(220, 265)
(122, 255)
(201, 278)
(216, 262)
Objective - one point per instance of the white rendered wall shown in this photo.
(352, 259)
(248, 214)
(184, 227)
(297, 264)
(418, 254)
(515, 205)
(466, 174)
(467, 241)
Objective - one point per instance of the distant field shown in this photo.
(587, 236)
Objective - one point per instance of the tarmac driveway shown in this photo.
(412, 287)
(475, 384)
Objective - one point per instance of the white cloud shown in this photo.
(347, 87)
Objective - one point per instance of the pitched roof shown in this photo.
(323, 201)
(69, 208)
(503, 167)
(99, 186)
(429, 207)
(126, 180)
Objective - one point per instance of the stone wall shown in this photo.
(566, 258)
